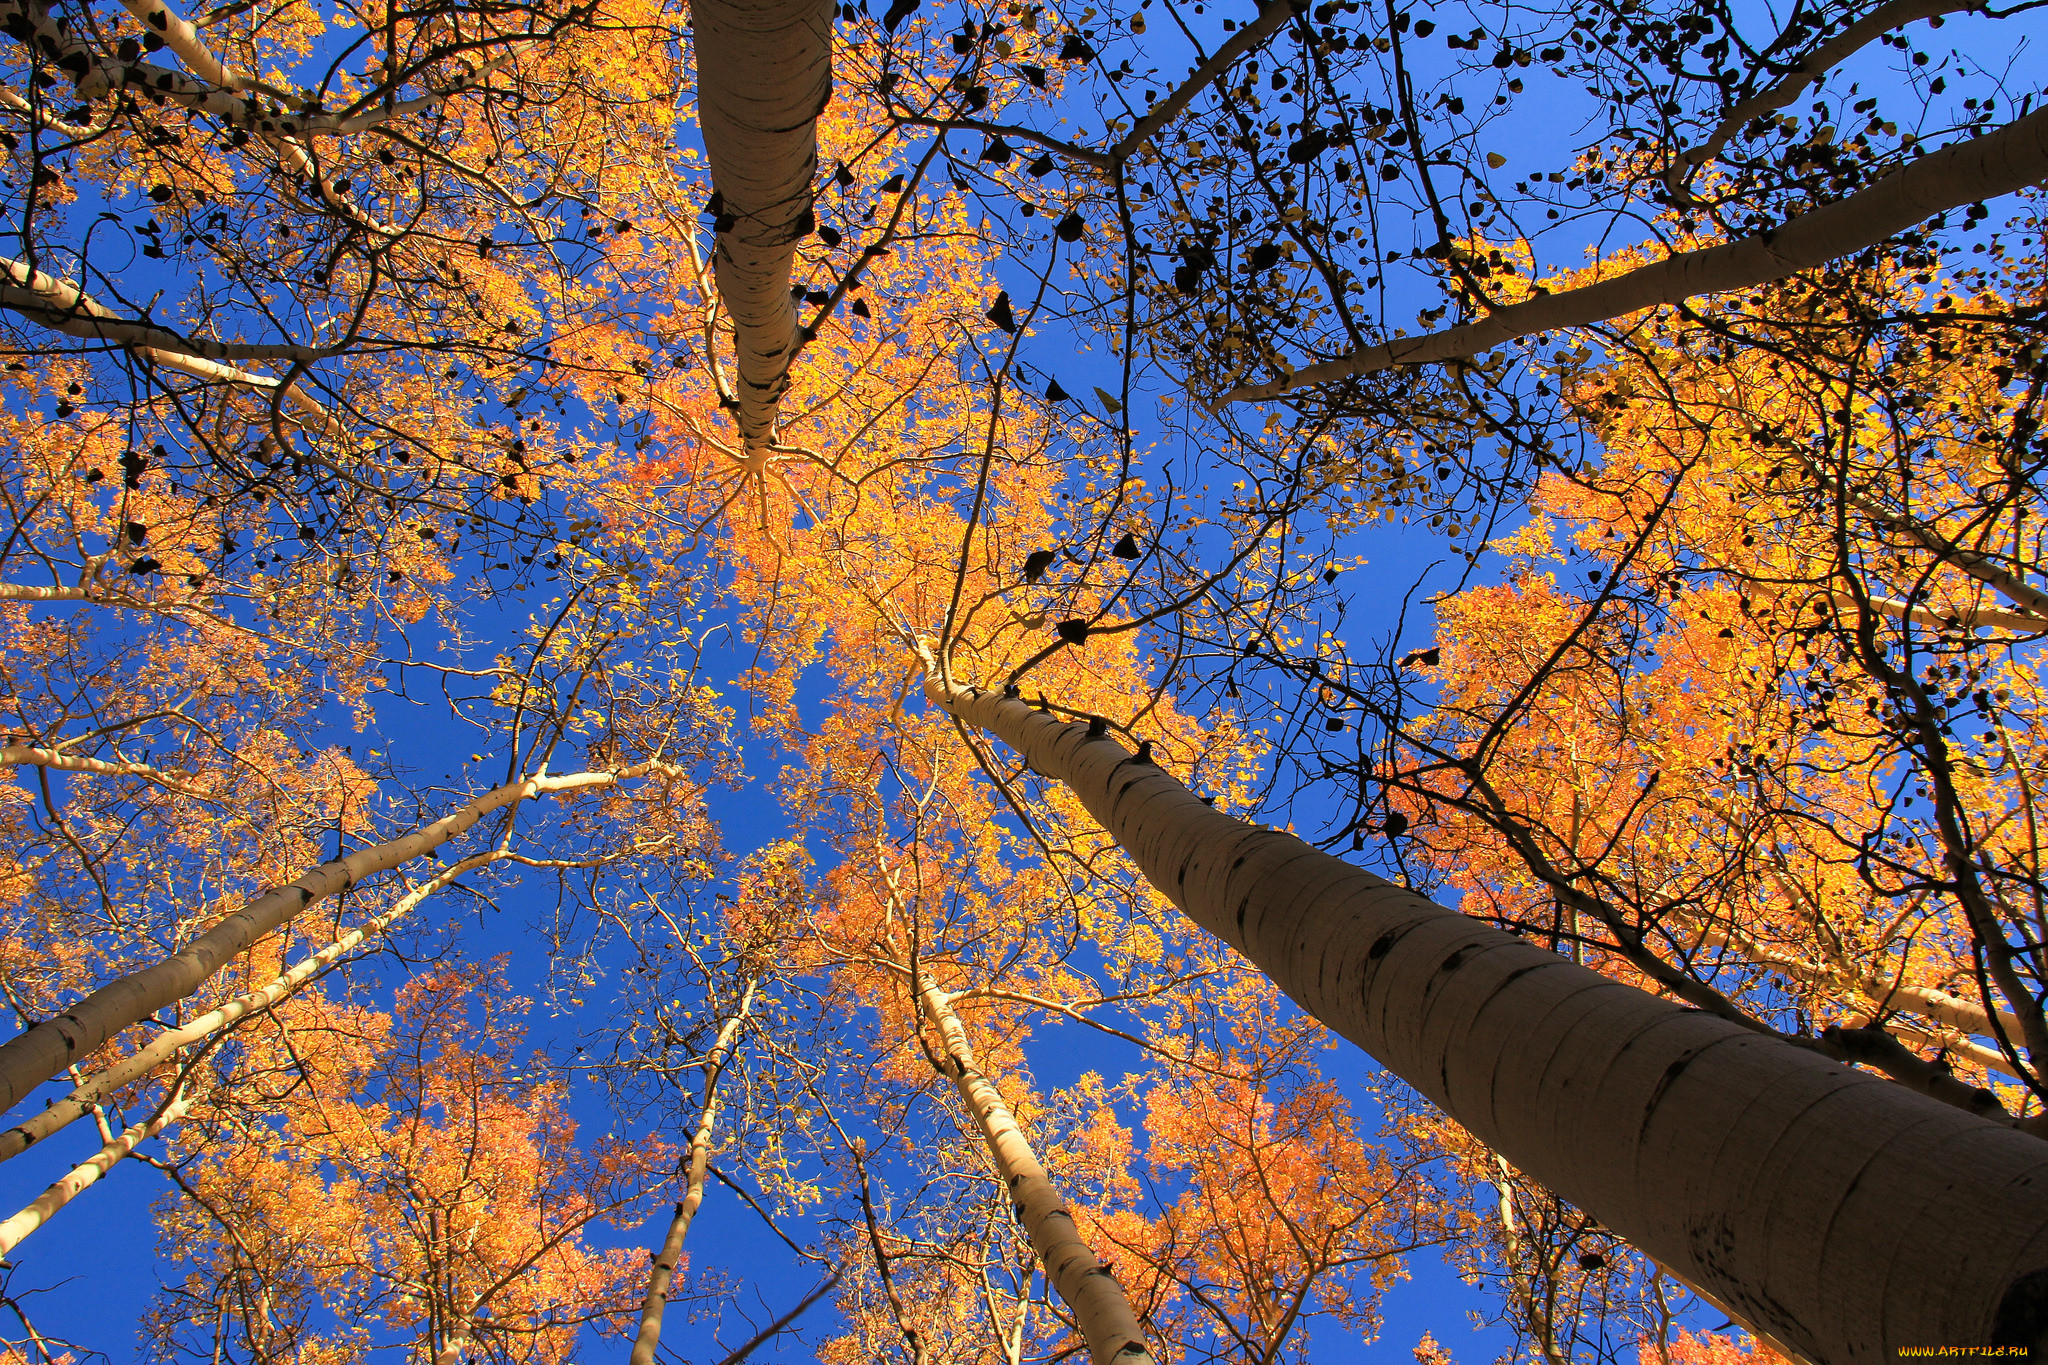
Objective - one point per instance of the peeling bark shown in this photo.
(1839, 1213)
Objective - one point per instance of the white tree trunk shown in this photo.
(1085, 1284)
(28, 1059)
(103, 1085)
(764, 73)
(2001, 162)
(1837, 1212)
(87, 1173)
(648, 1340)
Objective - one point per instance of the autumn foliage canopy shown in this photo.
(507, 504)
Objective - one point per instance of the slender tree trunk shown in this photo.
(1931, 616)
(663, 1273)
(1826, 57)
(86, 1173)
(16, 755)
(28, 1059)
(1100, 1306)
(1839, 1213)
(1997, 163)
(101, 1085)
(28, 592)
(764, 74)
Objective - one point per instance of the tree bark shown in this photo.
(659, 1278)
(1839, 1213)
(764, 74)
(2010, 159)
(1826, 57)
(86, 1173)
(64, 307)
(103, 1085)
(28, 1059)
(1085, 1284)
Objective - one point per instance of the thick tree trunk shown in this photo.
(764, 73)
(1085, 1284)
(1839, 1213)
(2000, 162)
(648, 1340)
(28, 1059)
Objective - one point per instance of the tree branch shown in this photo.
(2010, 159)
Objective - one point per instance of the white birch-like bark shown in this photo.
(1842, 978)
(291, 148)
(32, 1057)
(16, 755)
(215, 90)
(1273, 16)
(648, 1340)
(764, 74)
(86, 1173)
(1985, 167)
(1826, 57)
(1963, 616)
(1101, 1309)
(97, 1088)
(29, 592)
(2031, 601)
(63, 307)
(1842, 1214)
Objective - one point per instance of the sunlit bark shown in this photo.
(102, 1085)
(1787, 88)
(87, 1173)
(63, 307)
(30, 1058)
(2010, 159)
(764, 74)
(1084, 1282)
(648, 1339)
(1838, 1212)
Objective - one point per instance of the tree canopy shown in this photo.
(621, 619)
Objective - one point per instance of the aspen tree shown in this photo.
(102, 1085)
(764, 74)
(32, 1057)
(1108, 1326)
(696, 1171)
(1997, 163)
(1769, 1176)
(83, 1176)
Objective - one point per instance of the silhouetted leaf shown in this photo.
(1000, 313)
